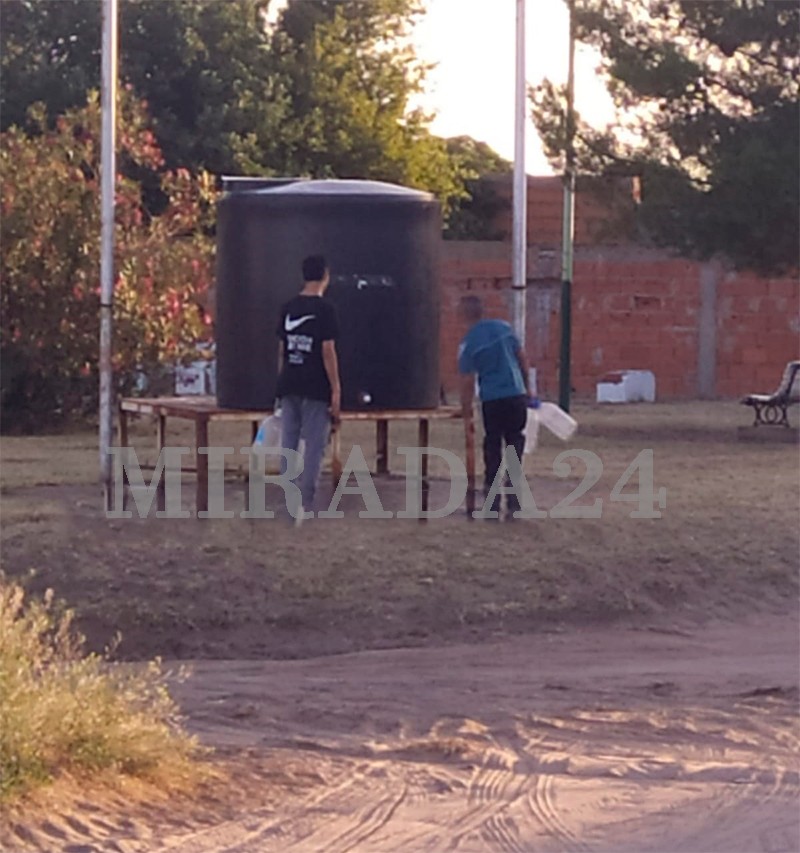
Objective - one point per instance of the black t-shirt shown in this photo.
(305, 322)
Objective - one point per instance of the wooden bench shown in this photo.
(773, 409)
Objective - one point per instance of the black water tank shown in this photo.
(237, 184)
(381, 242)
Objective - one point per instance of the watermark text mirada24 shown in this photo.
(647, 501)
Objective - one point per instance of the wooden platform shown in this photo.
(204, 410)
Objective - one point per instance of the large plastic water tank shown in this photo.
(381, 243)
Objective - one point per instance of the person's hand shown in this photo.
(336, 409)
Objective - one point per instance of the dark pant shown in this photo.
(503, 421)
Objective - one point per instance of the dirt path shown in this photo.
(681, 739)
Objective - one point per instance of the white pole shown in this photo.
(519, 276)
(108, 169)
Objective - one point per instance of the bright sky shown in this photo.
(471, 90)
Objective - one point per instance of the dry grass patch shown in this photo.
(727, 542)
(63, 711)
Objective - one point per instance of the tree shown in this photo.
(473, 217)
(707, 114)
(205, 70)
(325, 92)
(50, 263)
(350, 73)
(202, 67)
(49, 54)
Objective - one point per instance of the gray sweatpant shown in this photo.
(311, 421)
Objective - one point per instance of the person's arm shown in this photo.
(466, 385)
(331, 363)
(280, 355)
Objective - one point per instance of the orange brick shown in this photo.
(754, 356)
(785, 288)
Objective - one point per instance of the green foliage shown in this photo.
(63, 711)
(49, 53)
(50, 262)
(203, 69)
(350, 73)
(326, 92)
(206, 73)
(707, 113)
(473, 216)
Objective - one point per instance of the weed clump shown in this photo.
(65, 711)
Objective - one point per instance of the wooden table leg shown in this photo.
(161, 432)
(469, 439)
(254, 425)
(382, 446)
(424, 441)
(201, 463)
(161, 441)
(122, 438)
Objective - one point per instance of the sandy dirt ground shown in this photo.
(661, 738)
(609, 685)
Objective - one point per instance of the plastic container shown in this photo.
(532, 430)
(382, 242)
(192, 379)
(627, 386)
(556, 420)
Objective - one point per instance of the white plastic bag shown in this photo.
(269, 432)
(269, 437)
(531, 430)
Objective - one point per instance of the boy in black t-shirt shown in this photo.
(308, 385)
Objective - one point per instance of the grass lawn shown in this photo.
(727, 542)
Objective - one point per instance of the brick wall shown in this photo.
(603, 209)
(701, 330)
(758, 324)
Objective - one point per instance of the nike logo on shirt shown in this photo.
(290, 325)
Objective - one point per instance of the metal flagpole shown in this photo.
(519, 268)
(568, 230)
(108, 169)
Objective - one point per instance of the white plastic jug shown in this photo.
(531, 430)
(557, 420)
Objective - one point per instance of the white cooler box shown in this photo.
(627, 386)
(193, 379)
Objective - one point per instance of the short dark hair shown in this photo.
(314, 268)
(472, 308)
